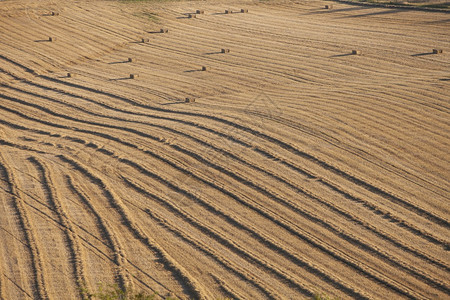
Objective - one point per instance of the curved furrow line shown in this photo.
(368, 204)
(377, 116)
(19, 65)
(21, 147)
(384, 107)
(363, 154)
(123, 279)
(309, 215)
(157, 93)
(228, 290)
(283, 223)
(287, 225)
(383, 235)
(73, 243)
(318, 220)
(409, 95)
(175, 131)
(28, 70)
(416, 96)
(39, 273)
(214, 254)
(360, 244)
(342, 212)
(107, 224)
(346, 215)
(392, 218)
(236, 248)
(403, 223)
(294, 150)
(279, 247)
(351, 217)
(178, 270)
(355, 151)
(291, 124)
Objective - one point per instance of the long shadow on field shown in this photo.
(211, 53)
(172, 103)
(439, 21)
(41, 41)
(340, 55)
(422, 54)
(384, 12)
(118, 62)
(329, 11)
(122, 78)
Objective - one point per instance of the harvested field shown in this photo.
(291, 167)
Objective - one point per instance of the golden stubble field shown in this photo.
(299, 168)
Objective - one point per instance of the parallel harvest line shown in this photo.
(54, 200)
(134, 228)
(309, 216)
(278, 248)
(366, 186)
(39, 273)
(223, 240)
(112, 241)
(429, 280)
(402, 222)
(291, 148)
(143, 114)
